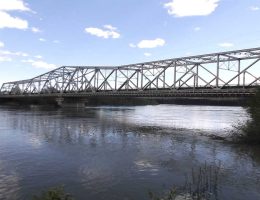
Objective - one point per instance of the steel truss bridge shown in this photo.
(232, 73)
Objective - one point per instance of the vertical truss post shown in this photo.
(174, 76)
(157, 82)
(197, 75)
(244, 79)
(82, 77)
(142, 76)
(116, 79)
(105, 80)
(97, 77)
(63, 80)
(127, 81)
(217, 77)
(164, 79)
(77, 79)
(137, 79)
(239, 69)
(39, 86)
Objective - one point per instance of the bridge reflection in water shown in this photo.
(121, 152)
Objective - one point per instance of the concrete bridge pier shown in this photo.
(71, 102)
(59, 101)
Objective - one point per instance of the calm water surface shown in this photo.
(121, 152)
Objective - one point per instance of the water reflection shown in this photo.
(120, 153)
(9, 182)
(209, 118)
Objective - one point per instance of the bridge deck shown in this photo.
(228, 92)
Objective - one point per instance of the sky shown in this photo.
(38, 36)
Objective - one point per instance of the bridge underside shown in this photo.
(234, 96)
(196, 92)
(218, 75)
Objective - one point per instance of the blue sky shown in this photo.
(36, 36)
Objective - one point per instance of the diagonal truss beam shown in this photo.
(216, 70)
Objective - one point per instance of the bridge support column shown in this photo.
(60, 101)
(71, 102)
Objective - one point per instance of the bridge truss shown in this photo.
(217, 71)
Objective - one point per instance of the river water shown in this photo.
(121, 153)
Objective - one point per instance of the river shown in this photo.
(122, 153)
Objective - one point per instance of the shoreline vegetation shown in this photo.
(200, 184)
(56, 193)
(249, 132)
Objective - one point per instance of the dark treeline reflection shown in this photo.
(105, 153)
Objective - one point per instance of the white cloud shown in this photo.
(108, 32)
(10, 5)
(38, 56)
(22, 54)
(42, 64)
(197, 28)
(151, 43)
(35, 30)
(110, 27)
(9, 53)
(2, 44)
(254, 8)
(147, 54)
(183, 8)
(7, 56)
(132, 45)
(226, 44)
(4, 52)
(39, 63)
(27, 61)
(42, 40)
(5, 59)
(7, 21)
(56, 41)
